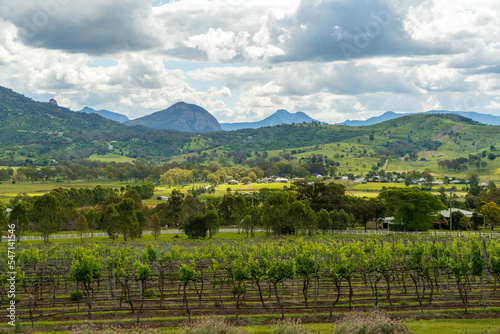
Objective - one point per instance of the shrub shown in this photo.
(212, 325)
(290, 326)
(76, 295)
(375, 322)
(149, 293)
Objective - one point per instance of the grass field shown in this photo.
(111, 157)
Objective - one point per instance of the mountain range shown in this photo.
(278, 118)
(34, 130)
(114, 116)
(390, 115)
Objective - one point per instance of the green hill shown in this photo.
(32, 130)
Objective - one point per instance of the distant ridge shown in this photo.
(278, 118)
(389, 115)
(106, 114)
(182, 117)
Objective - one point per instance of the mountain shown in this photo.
(106, 114)
(481, 118)
(389, 115)
(182, 117)
(45, 130)
(278, 118)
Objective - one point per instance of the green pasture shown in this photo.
(111, 157)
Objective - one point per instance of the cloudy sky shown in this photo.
(244, 59)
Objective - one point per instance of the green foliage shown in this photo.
(275, 212)
(3, 216)
(195, 227)
(149, 293)
(142, 271)
(340, 220)
(324, 220)
(280, 269)
(111, 221)
(412, 209)
(45, 214)
(85, 267)
(128, 218)
(187, 273)
(76, 295)
(155, 225)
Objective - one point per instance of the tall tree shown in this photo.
(46, 215)
(321, 195)
(212, 221)
(324, 220)
(19, 217)
(3, 216)
(156, 225)
(492, 213)
(93, 217)
(128, 218)
(368, 209)
(413, 209)
(275, 212)
(81, 225)
(111, 221)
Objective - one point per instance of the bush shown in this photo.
(212, 325)
(76, 295)
(149, 293)
(375, 322)
(289, 326)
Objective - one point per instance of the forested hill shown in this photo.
(45, 127)
(33, 130)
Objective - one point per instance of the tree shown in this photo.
(477, 220)
(464, 223)
(19, 217)
(427, 175)
(81, 225)
(473, 178)
(128, 218)
(195, 227)
(275, 212)
(321, 195)
(93, 218)
(156, 225)
(412, 209)
(251, 220)
(46, 215)
(301, 216)
(492, 213)
(68, 216)
(3, 217)
(324, 220)
(340, 220)
(111, 221)
(367, 209)
(212, 220)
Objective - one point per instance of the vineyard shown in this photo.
(178, 280)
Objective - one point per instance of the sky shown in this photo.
(242, 60)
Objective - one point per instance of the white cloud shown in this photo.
(334, 59)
